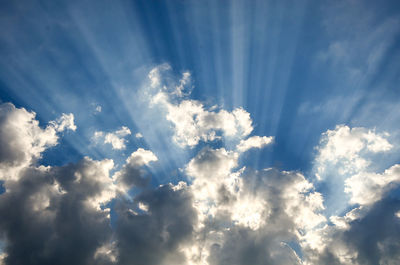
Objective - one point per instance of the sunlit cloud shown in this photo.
(116, 139)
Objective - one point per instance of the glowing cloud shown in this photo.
(116, 139)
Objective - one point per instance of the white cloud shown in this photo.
(138, 135)
(141, 157)
(183, 83)
(155, 74)
(345, 153)
(23, 140)
(192, 121)
(344, 149)
(210, 163)
(368, 187)
(98, 172)
(116, 139)
(66, 121)
(397, 214)
(269, 202)
(254, 142)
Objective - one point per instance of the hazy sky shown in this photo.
(200, 132)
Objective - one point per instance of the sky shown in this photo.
(200, 132)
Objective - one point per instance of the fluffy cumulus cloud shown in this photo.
(22, 139)
(346, 150)
(193, 122)
(369, 187)
(365, 233)
(59, 214)
(346, 155)
(116, 139)
(249, 217)
(221, 212)
(132, 173)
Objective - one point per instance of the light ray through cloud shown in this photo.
(199, 132)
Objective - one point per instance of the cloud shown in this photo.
(132, 173)
(66, 121)
(96, 108)
(158, 235)
(369, 238)
(192, 121)
(368, 187)
(155, 74)
(218, 161)
(221, 213)
(116, 139)
(246, 217)
(346, 154)
(346, 149)
(362, 235)
(254, 142)
(22, 140)
(59, 214)
(56, 216)
(138, 135)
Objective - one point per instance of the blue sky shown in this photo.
(299, 68)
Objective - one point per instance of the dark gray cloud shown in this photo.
(47, 216)
(372, 239)
(54, 219)
(245, 246)
(156, 235)
(376, 236)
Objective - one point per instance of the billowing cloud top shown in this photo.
(22, 141)
(220, 212)
(191, 120)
